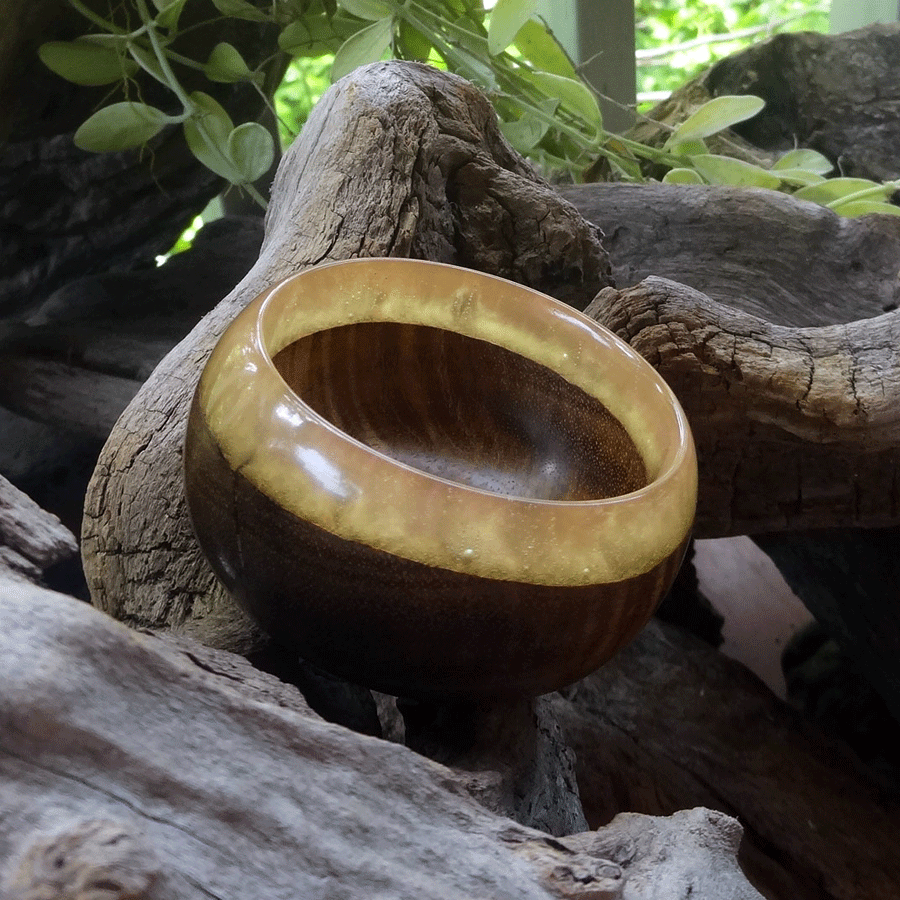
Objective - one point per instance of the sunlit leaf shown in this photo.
(251, 149)
(507, 17)
(574, 96)
(834, 188)
(366, 46)
(799, 177)
(727, 170)
(689, 148)
(854, 208)
(714, 116)
(682, 176)
(542, 50)
(120, 126)
(85, 62)
(207, 133)
(413, 43)
(370, 10)
(226, 64)
(809, 160)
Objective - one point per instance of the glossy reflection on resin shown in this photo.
(436, 482)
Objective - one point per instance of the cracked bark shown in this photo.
(784, 362)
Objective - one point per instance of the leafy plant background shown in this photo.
(546, 110)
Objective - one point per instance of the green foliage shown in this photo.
(546, 111)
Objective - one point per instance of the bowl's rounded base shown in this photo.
(394, 624)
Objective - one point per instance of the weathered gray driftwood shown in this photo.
(31, 539)
(782, 356)
(135, 769)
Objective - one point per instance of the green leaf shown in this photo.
(526, 132)
(799, 177)
(854, 208)
(311, 36)
(809, 160)
(542, 50)
(226, 64)
(85, 62)
(207, 132)
(507, 18)
(251, 149)
(240, 9)
(727, 170)
(120, 126)
(370, 10)
(574, 96)
(148, 61)
(716, 115)
(169, 11)
(413, 43)
(366, 46)
(689, 148)
(471, 66)
(834, 188)
(682, 176)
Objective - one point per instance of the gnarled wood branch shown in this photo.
(777, 333)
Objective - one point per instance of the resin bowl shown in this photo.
(434, 482)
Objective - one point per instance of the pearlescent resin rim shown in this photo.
(324, 476)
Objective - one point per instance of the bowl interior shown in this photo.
(464, 410)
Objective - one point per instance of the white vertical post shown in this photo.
(599, 36)
(849, 14)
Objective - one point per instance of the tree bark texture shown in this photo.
(397, 160)
(31, 539)
(783, 355)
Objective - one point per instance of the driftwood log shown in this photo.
(153, 770)
(31, 539)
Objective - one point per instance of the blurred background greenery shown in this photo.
(676, 40)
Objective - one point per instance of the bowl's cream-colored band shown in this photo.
(322, 475)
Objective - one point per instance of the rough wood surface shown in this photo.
(837, 94)
(783, 358)
(77, 360)
(139, 770)
(764, 253)
(848, 578)
(31, 539)
(794, 427)
(398, 159)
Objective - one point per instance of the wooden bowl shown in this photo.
(435, 482)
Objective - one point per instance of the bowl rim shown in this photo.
(264, 328)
